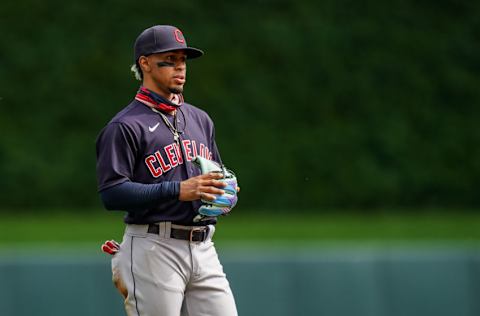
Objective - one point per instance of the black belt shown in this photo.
(195, 234)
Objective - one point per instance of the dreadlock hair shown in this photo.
(137, 71)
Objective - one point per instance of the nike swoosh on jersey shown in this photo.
(152, 129)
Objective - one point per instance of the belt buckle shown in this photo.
(197, 229)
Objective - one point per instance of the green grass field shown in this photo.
(73, 229)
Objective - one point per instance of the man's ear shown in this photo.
(144, 64)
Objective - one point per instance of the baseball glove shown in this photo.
(224, 203)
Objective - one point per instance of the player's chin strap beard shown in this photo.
(161, 64)
(156, 101)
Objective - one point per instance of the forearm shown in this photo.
(134, 195)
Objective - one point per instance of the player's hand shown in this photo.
(202, 187)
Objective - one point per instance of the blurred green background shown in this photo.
(317, 104)
(349, 124)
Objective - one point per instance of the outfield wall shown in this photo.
(370, 282)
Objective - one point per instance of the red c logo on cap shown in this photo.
(179, 36)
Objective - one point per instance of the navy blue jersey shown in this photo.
(138, 146)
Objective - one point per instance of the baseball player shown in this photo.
(167, 263)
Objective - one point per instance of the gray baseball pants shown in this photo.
(162, 276)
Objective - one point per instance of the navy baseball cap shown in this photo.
(161, 39)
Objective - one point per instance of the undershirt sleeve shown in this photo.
(133, 196)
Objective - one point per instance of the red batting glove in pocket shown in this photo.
(111, 247)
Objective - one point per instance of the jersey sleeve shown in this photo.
(215, 153)
(116, 152)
